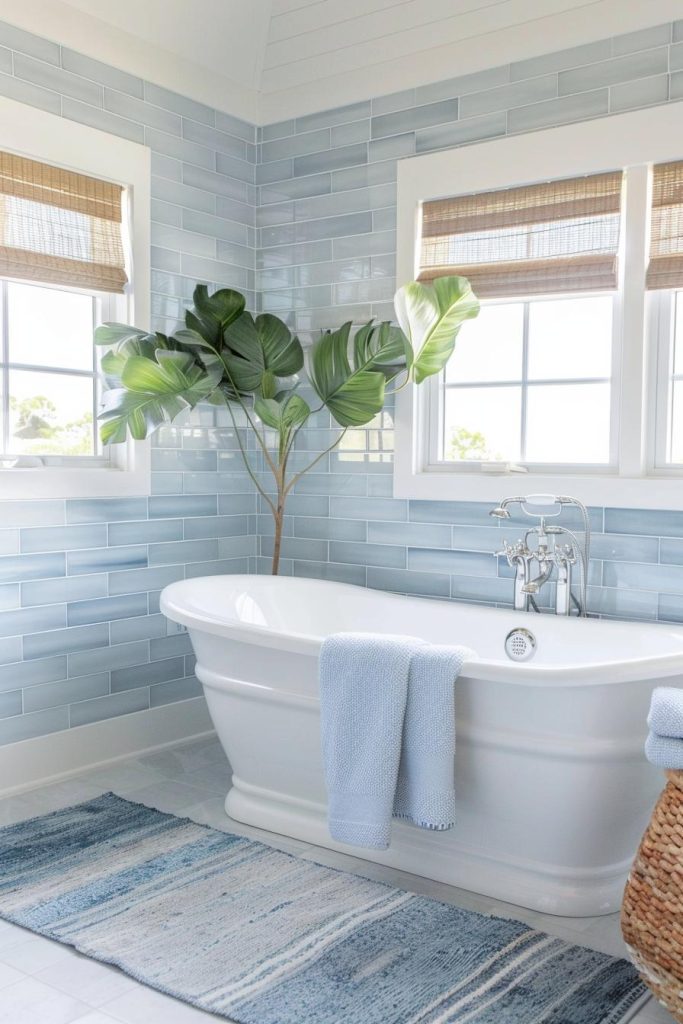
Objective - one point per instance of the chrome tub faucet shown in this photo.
(546, 550)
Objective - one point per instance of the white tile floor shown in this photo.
(43, 982)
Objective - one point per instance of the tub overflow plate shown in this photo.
(520, 644)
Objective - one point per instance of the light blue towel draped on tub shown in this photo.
(388, 734)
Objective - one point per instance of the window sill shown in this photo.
(130, 476)
(653, 492)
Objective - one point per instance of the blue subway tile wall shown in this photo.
(81, 637)
(299, 215)
(326, 253)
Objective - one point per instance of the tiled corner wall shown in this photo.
(304, 224)
(326, 218)
(81, 637)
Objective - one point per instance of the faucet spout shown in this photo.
(533, 586)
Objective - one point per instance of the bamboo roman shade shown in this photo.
(59, 227)
(555, 236)
(665, 269)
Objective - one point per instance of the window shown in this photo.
(573, 372)
(74, 251)
(48, 362)
(529, 383)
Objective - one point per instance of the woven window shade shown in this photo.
(556, 236)
(665, 269)
(59, 227)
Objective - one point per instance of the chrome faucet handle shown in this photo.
(513, 551)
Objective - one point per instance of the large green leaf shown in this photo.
(430, 317)
(115, 334)
(285, 415)
(153, 391)
(213, 313)
(382, 347)
(354, 395)
(256, 351)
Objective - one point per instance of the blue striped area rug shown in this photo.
(261, 937)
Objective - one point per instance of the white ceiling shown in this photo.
(267, 60)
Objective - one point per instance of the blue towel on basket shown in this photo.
(666, 712)
(664, 744)
(387, 703)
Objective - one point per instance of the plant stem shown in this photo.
(295, 479)
(247, 464)
(279, 518)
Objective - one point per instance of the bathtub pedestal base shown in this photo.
(441, 857)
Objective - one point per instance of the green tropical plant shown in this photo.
(224, 355)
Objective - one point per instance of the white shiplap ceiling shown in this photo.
(267, 60)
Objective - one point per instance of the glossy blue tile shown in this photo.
(339, 573)
(134, 580)
(142, 627)
(62, 538)
(30, 620)
(60, 591)
(297, 547)
(66, 691)
(182, 506)
(145, 532)
(105, 510)
(120, 656)
(671, 550)
(30, 673)
(236, 547)
(405, 581)
(10, 703)
(670, 608)
(17, 568)
(618, 547)
(145, 675)
(481, 588)
(9, 542)
(177, 645)
(65, 641)
(182, 552)
(322, 528)
(622, 603)
(236, 504)
(216, 526)
(40, 723)
(663, 578)
(368, 554)
(222, 567)
(369, 508)
(101, 708)
(644, 522)
(105, 609)
(32, 513)
(10, 651)
(106, 559)
(175, 690)
(467, 563)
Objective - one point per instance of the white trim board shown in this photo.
(60, 755)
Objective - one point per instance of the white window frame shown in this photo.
(631, 141)
(54, 140)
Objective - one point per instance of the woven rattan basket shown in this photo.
(652, 911)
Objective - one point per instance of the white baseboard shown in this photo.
(46, 759)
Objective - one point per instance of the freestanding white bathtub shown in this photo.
(553, 788)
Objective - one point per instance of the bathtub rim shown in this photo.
(653, 666)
